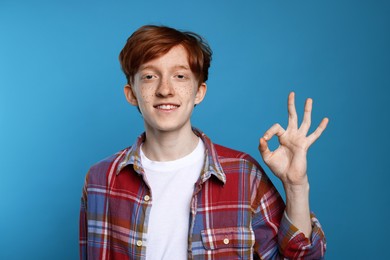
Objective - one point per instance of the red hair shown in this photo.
(150, 42)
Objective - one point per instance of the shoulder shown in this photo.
(240, 167)
(229, 153)
(234, 162)
(99, 171)
(243, 172)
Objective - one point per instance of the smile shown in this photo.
(166, 107)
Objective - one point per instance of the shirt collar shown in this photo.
(211, 166)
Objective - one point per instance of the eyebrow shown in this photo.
(154, 68)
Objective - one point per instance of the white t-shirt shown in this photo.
(172, 187)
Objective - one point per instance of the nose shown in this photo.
(164, 89)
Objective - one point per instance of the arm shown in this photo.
(83, 225)
(276, 237)
(289, 162)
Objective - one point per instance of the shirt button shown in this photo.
(226, 241)
(139, 243)
(147, 198)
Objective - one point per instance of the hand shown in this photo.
(289, 161)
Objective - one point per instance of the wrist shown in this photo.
(297, 191)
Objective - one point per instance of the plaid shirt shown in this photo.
(236, 212)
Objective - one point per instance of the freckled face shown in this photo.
(166, 90)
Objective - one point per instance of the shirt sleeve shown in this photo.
(275, 235)
(294, 244)
(83, 225)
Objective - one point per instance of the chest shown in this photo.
(219, 216)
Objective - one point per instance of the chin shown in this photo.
(165, 127)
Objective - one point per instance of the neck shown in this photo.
(169, 146)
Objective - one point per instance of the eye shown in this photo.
(181, 76)
(147, 77)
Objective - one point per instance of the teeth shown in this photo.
(166, 106)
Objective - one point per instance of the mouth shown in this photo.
(166, 107)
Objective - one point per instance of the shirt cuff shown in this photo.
(293, 243)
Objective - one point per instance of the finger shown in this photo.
(306, 122)
(292, 112)
(317, 133)
(276, 129)
(264, 150)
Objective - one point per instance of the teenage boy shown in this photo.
(176, 195)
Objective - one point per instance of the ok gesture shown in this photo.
(289, 161)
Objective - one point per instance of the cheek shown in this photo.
(190, 92)
(146, 97)
(187, 91)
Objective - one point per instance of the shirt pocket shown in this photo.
(229, 237)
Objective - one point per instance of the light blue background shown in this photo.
(62, 106)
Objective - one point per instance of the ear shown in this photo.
(201, 93)
(130, 95)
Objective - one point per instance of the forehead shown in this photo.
(176, 57)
